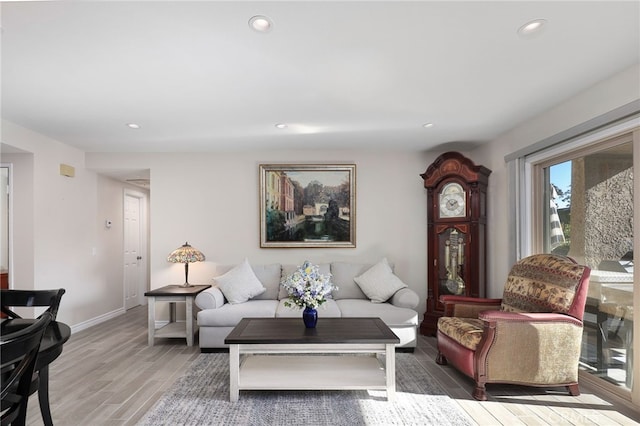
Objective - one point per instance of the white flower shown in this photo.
(307, 287)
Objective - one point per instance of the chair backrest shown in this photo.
(547, 283)
(19, 353)
(31, 298)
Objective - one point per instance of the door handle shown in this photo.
(139, 257)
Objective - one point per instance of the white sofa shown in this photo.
(217, 317)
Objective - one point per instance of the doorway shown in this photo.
(5, 219)
(135, 243)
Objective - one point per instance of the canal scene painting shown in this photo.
(307, 205)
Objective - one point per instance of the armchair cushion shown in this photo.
(466, 331)
(542, 284)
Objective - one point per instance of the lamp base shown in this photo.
(186, 285)
(186, 275)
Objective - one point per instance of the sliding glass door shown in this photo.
(586, 211)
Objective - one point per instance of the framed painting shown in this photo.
(307, 205)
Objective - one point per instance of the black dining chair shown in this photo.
(35, 298)
(31, 298)
(19, 353)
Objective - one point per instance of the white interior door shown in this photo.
(134, 248)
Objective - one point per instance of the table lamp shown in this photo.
(185, 254)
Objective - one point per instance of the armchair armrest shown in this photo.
(528, 317)
(467, 307)
(405, 298)
(529, 348)
(211, 298)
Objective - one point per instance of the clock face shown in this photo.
(452, 201)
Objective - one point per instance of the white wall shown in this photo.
(212, 201)
(59, 237)
(603, 97)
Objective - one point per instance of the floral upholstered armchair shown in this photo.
(532, 336)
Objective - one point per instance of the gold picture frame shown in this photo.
(307, 205)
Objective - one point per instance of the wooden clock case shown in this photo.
(456, 241)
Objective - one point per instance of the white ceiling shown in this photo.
(350, 75)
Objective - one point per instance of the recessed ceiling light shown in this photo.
(260, 23)
(532, 27)
(281, 126)
(133, 125)
(427, 125)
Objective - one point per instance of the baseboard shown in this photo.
(97, 320)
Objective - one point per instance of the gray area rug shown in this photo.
(201, 397)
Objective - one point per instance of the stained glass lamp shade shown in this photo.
(185, 254)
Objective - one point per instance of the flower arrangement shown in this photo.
(307, 287)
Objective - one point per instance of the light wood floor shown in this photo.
(107, 375)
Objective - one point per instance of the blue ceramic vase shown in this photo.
(310, 317)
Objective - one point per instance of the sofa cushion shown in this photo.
(328, 309)
(379, 282)
(230, 315)
(343, 275)
(239, 284)
(269, 276)
(287, 270)
(391, 315)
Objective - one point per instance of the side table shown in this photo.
(173, 294)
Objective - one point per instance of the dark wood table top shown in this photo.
(55, 335)
(328, 330)
(177, 290)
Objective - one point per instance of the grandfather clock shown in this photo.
(456, 232)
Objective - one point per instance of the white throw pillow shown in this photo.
(379, 282)
(240, 283)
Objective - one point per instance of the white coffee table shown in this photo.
(339, 354)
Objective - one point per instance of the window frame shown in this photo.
(529, 221)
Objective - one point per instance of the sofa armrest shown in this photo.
(467, 307)
(211, 298)
(405, 298)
